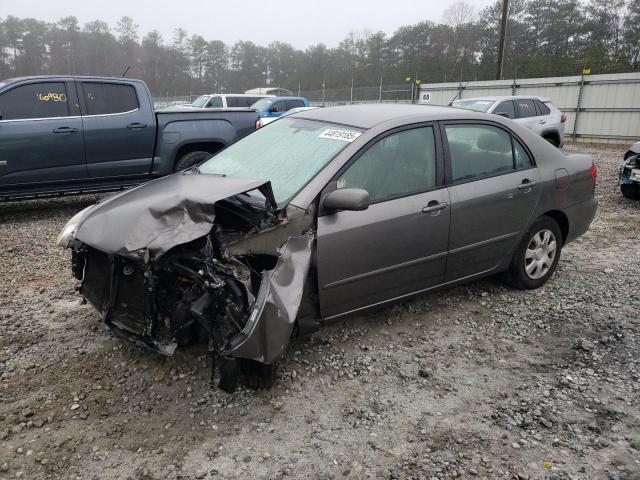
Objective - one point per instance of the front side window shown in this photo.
(215, 102)
(36, 100)
(506, 108)
(398, 165)
(526, 108)
(289, 153)
(478, 151)
(105, 98)
(280, 106)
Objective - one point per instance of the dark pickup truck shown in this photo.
(63, 134)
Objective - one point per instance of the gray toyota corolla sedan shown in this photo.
(322, 214)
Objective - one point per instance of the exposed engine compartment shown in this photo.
(200, 292)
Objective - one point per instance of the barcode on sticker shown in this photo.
(344, 135)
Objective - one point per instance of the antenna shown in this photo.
(124, 74)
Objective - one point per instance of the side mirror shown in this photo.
(346, 199)
(503, 114)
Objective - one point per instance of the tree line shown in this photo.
(544, 38)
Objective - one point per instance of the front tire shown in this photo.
(537, 256)
(630, 191)
(190, 159)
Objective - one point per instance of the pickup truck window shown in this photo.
(105, 98)
(215, 102)
(35, 100)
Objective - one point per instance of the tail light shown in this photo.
(259, 124)
(593, 173)
(563, 118)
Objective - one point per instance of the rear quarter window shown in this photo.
(35, 100)
(106, 98)
(543, 109)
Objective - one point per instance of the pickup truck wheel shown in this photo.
(537, 256)
(631, 191)
(190, 159)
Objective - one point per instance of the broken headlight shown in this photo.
(68, 233)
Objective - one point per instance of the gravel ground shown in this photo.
(473, 381)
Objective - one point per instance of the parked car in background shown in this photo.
(271, 108)
(61, 134)
(227, 100)
(260, 124)
(535, 113)
(325, 213)
(629, 177)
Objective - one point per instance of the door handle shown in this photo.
(526, 185)
(136, 126)
(542, 122)
(434, 206)
(65, 130)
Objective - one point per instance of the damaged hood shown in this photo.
(161, 214)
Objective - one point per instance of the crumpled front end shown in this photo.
(630, 170)
(191, 267)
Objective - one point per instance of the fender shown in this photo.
(176, 134)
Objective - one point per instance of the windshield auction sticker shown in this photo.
(344, 135)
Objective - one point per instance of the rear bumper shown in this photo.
(580, 217)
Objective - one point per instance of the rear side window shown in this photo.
(105, 98)
(36, 100)
(506, 108)
(241, 102)
(294, 104)
(478, 151)
(398, 165)
(542, 108)
(526, 108)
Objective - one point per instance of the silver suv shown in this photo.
(536, 113)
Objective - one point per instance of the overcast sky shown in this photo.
(299, 22)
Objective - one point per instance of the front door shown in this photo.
(398, 245)
(119, 129)
(40, 135)
(494, 188)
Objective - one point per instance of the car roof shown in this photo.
(236, 95)
(494, 98)
(369, 115)
(69, 77)
(271, 97)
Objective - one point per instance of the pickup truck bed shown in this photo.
(70, 135)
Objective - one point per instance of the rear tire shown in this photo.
(188, 160)
(537, 256)
(630, 191)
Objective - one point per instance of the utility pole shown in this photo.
(503, 37)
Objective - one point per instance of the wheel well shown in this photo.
(563, 222)
(552, 135)
(211, 147)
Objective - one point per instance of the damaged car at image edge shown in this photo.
(629, 177)
(320, 215)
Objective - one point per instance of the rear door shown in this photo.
(528, 115)
(119, 128)
(40, 134)
(398, 245)
(494, 188)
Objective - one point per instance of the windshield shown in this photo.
(289, 153)
(261, 104)
(475, 105)
(201, 101)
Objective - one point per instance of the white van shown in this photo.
(227, 100)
